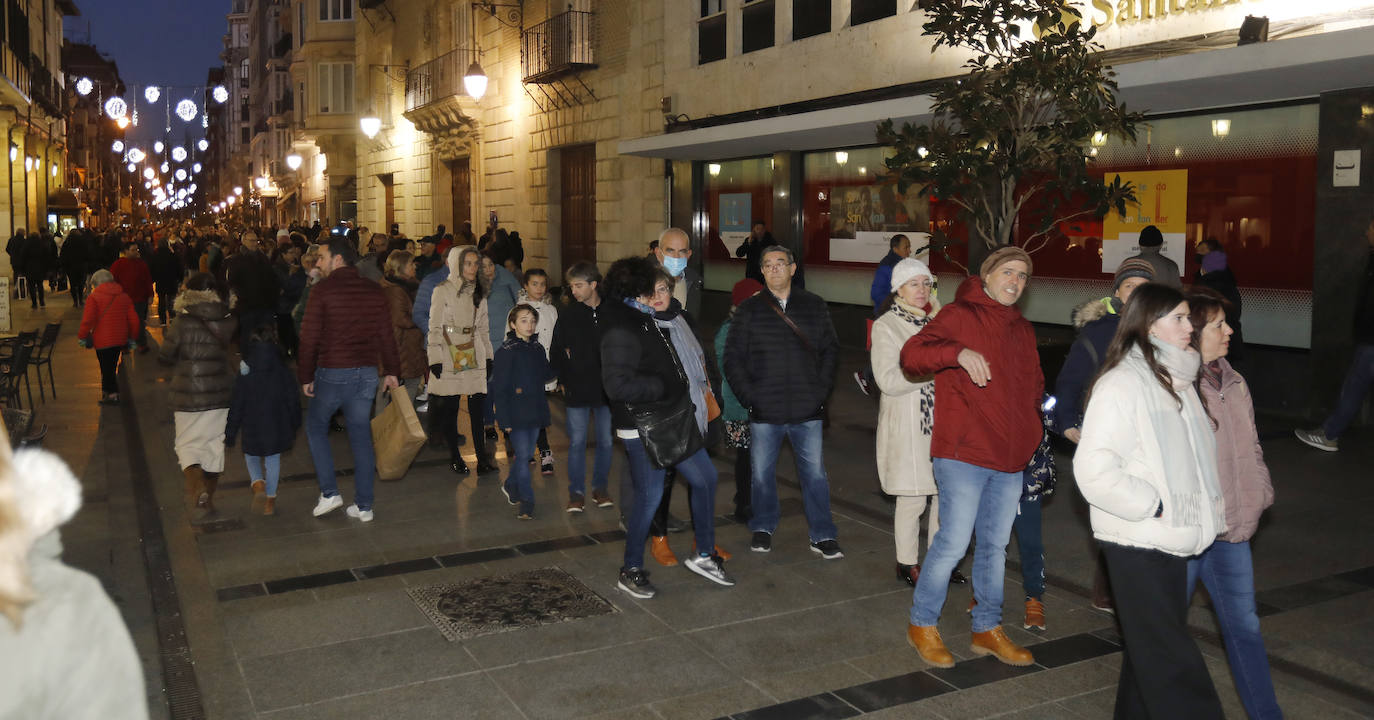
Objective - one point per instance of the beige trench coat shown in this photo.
(905, 412)
(454, 310)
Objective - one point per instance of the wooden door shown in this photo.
(388, 206)
(461, 186)
(577, 175)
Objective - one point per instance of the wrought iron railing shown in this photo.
(437, 79)
(562, 44)
(16, 70)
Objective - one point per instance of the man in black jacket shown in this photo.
(780, 359)
(250, 276)
(575, 355)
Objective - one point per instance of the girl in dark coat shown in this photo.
(516, 400)
(266, 405)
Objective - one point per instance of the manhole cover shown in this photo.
(502, 603)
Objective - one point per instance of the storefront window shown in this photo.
(850, 210)
(737, 193)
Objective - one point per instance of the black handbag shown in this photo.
(668, 428)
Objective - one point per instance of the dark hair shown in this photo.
(1203, 304)
(758, 222)
(897, 240)
(1149, 303)
(585, 271)
(1211, 243)
(533, 272)
(791, 259)
(515, 312)
(631, 277)
(203, 281)
(341, 247)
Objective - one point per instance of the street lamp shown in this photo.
(475, 81)
(237, 191)
(370, 125)
(293, 161)
(260, 182)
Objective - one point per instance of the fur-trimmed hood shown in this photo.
(1094, 310)
(189, 299)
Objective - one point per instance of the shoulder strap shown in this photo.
(1092, 351)
(777, 308)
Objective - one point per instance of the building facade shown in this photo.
(95, 143)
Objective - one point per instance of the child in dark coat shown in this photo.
(266, 405)
(516, 401)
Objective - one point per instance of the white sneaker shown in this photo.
(327, 505)
(363, 515)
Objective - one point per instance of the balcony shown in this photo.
(283, 105)
(283, 47)
(16, 70)
(559, 46)
(47, 91)
(435, 98)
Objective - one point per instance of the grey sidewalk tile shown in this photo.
(716, 702)
(687, 602)
(355, 666)
(1096, 704)
(984, 701)
(296, 627)
(610, 679)
(457, 698)
(1073, 680)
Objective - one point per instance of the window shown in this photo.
(736, 193)
(336, 88)
(300, 102)
(810, 18)
(332, 10)
(869, 10)
(757, 24)
(711, 32)
(243, 135)
(243, 73)
(243, 113)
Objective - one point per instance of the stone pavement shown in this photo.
(297, 617)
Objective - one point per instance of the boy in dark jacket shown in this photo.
(575, 357)
(266, 405)
(516, 400)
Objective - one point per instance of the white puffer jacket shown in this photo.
(905, 410)
(1139, 450)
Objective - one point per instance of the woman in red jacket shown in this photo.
(109, 325)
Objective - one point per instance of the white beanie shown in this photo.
(906, 269)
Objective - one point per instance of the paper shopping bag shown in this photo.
(397, 436)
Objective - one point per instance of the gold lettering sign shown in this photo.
(1128, 12)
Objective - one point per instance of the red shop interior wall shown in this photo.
(761, 205)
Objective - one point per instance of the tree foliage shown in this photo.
(1011, 138)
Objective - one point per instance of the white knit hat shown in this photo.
(906, 269)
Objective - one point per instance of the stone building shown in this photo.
(95, 143)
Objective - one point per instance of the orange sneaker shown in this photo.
(1035, 614)
(658, 547)
(926, 639)
(995, 642)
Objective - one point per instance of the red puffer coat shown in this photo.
(347, 325)
(997, 426)
(134, 276)
(109, 319)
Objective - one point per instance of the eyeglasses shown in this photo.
(663, 290)
(776, 265)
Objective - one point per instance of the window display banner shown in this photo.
(734, 220)
(1162, 201)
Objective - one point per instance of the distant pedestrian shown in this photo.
(516, 400)
(75, 261)
(1214, 271)
(266, 406)
(1226, 568)
(166, 271)
(39, 260)
(345, 336)
(109, 324)
(1166, 270)
(752, 250)
(1147, 465)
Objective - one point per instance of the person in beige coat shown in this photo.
(459, 351)
(905, 411)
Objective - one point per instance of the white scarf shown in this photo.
(1196, 489)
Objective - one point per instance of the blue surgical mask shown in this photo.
(674, 265)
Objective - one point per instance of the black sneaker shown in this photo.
(828, 549)
(510, 496)
(762, 542)
(636, 582)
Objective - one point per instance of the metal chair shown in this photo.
(42, 355)
(12, 370)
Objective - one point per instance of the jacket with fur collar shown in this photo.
(197, 345)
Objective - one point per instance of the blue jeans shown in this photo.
(1028, 539)
(579, 420)
(1226, 571)
(972, 499)
(258, 463)
(518, 481)
(1353, 391)
(352, 390)
(700, 475)
(765, 444)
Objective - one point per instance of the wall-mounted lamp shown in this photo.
(475, 81)
(1221, 127)
(260, 182)
(841, 157)
(293, 160)
(370, 125)
(714, 169)
(14, 152)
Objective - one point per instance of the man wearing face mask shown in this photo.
(673, 251)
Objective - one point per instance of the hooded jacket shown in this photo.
(410, 340)
(515, 396)
(1241, 469)
(420, 312)
(997, 426)
(266, 403)
(452, 307)
(1096, 321)
(197, 344)
(347, 325)
(109, 319)
(71, 658)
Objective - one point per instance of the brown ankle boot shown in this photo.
(195, 478)
(996, 643)
(658, 547)
(926, 639)
(269, 506)
(205, 504)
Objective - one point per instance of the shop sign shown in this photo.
(1162, 201)
(734, 221)
(1105, 13)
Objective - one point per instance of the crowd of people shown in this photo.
(1160, 423)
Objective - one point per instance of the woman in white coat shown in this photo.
(905, 412)
(1147, 465)
(459, 351)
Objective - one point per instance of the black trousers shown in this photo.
(109, 367)
(165, 298)
(76, 282)
(444, 410)
(1163, 675)
(744, 488)
(35, 288)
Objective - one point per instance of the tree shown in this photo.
(1011, 138)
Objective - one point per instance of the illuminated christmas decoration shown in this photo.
(165, 167)
(132, 167)
(186, 110)
(151, 93)
(136, 155)
(149, 173)
(85, 86)
(220, 94)
(181, 174)
(116, 108)
(158, 146)
(179, 154)
(118, 146)
(203, 144)
(195, 168)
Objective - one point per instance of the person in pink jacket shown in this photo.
(1225, 568)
